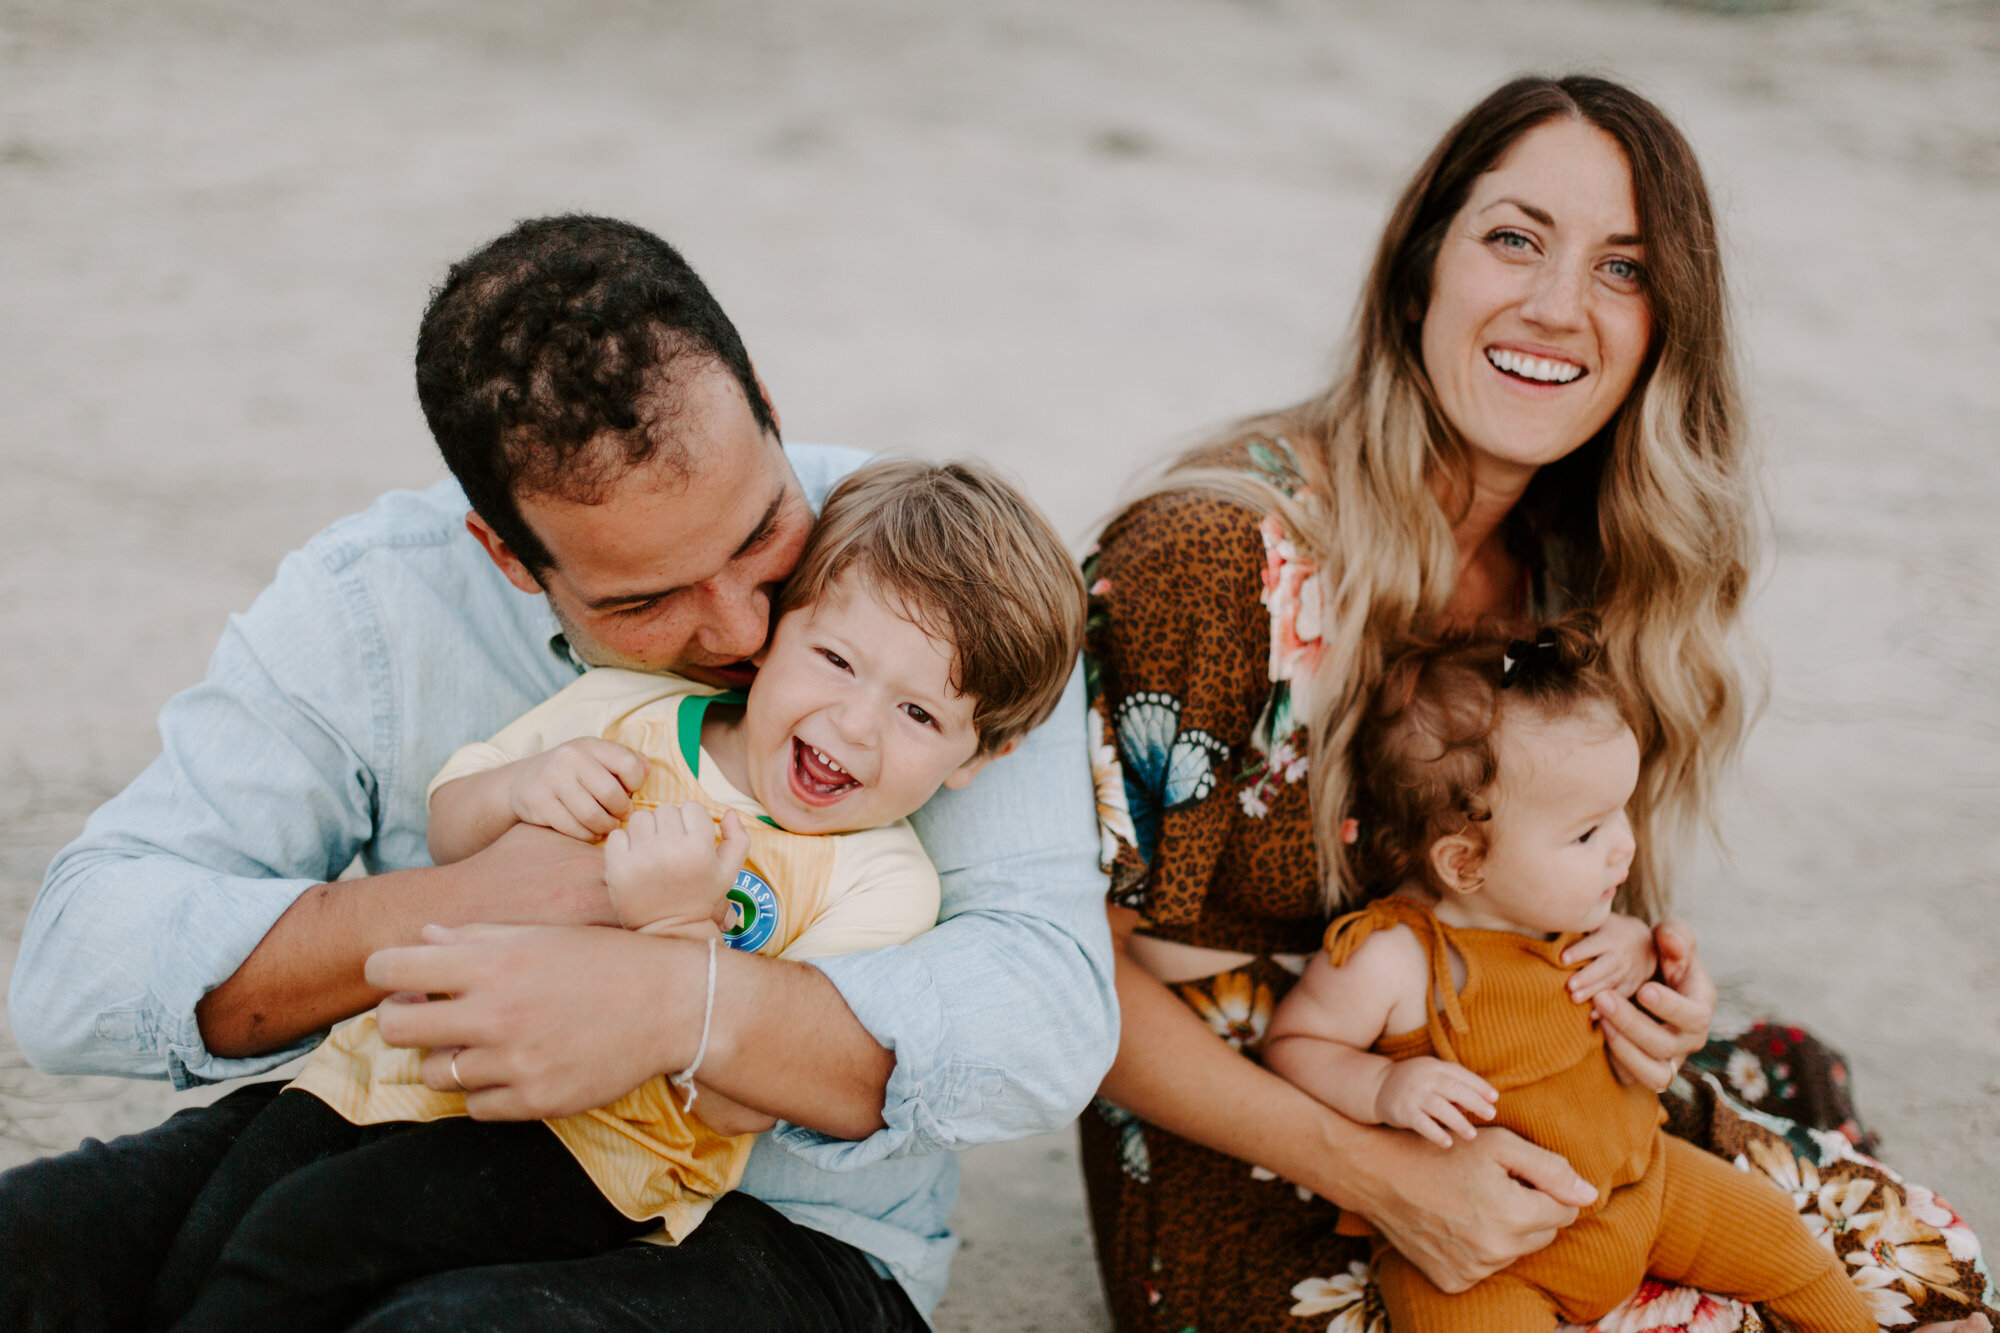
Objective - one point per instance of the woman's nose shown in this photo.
(1556, 298)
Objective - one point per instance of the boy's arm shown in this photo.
(581, 788)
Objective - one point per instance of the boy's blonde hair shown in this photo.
(974, 563)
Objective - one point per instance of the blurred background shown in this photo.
(1068, 238)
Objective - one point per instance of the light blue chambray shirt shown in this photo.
(389, 641)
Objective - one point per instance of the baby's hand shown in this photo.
(1433, 1097)
(665, 867)
(581, 787)
(1622, 957)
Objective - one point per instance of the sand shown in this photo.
(1067, 238)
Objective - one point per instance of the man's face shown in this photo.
(672, 573)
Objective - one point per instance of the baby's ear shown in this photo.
(1456, 858)
(968, 770)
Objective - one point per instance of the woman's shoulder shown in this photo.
(1197, 514)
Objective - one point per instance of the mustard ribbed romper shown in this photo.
(1663, 1207)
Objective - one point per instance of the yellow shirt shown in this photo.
(798, 897)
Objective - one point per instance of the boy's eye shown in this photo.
(919, 716)
(1585, 835)
(834, 659)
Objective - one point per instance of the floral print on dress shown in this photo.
(1350, 1297)
(1165, 767)
(1236, 1008)
(1291, 593)
(1660, 1308)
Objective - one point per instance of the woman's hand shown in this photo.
(1465, 1213)
(1667, 1020)
(1620, 955)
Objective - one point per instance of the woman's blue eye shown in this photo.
(1625, 270)
(1510, 240)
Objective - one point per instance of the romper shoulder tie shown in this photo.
(1347, 934)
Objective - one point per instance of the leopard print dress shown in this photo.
(1201, 639)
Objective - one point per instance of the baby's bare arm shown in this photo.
(1320, 1035)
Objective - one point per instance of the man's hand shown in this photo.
(1434, 1097)
(1464, 1214)
(1667, 1020)
(581, 788)
(666, 867)
(552, 1020)
(526, 1014)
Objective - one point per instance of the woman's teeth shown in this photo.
(1533, 367)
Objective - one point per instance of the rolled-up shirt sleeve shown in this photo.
(261, 791)
(1003, 1019)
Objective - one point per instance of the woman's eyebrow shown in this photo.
(1542, 216)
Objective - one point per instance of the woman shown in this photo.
(1538, 409)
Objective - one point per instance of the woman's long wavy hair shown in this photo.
(1651, 524)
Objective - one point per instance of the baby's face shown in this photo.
(1560, 843)
(852, 721)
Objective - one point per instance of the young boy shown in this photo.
(932, 621)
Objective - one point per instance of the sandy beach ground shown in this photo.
(1064, 237)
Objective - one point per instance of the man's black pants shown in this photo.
(453, 1225)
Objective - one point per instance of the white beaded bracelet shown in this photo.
(685, 1079)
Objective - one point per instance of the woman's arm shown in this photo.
(1459, 1215)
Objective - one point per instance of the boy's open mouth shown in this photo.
(816, 778)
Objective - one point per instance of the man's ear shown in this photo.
(1456, 858)
(502, 555)
(968, 770)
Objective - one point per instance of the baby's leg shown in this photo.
(293, 1131)
(1728, 1231)
(1500, 1302)
(449, 1194)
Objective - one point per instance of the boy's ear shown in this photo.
(968, 770)
(1456, 858)
(502, 555)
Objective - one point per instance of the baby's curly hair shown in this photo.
(1424, 755)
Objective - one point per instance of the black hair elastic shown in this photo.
(1532, 656)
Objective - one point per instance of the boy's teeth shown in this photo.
(1533, 367)
(826, 759)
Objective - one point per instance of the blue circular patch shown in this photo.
(753, 913)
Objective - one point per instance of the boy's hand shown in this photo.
(666, 865)
(1433, 1097)
(1622, 958)
(581, 787)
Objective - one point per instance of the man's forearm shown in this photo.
(782, 1041)
(306, 973)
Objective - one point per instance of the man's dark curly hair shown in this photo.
(558, 334)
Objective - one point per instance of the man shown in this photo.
(632, 506)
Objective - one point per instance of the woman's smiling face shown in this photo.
(1539, 319)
